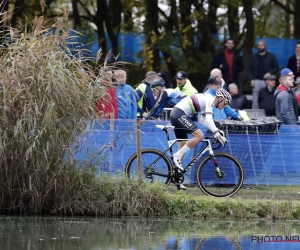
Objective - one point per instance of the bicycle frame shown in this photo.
(171, 143)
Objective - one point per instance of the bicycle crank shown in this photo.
(178, 178)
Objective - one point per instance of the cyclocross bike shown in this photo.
(218, 174)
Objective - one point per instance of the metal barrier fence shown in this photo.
(268, 158)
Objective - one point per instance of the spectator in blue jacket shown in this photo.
(126, 97)
(220, 114)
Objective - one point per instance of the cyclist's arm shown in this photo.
(207, 120)
(159, 106)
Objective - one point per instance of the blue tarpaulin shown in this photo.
(266, 158)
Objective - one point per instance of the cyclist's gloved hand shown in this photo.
(220, 136)
(222, 133)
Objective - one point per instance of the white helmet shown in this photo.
(224, 95)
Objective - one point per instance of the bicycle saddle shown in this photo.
(165, 126)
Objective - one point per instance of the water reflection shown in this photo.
(70, 233)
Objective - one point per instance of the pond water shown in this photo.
(70, 233)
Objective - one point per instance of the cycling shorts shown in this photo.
(182, 123)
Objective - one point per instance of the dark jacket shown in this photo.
(266, 101)
(286, 108)
(145, 98)
(271, 65)
(239, 102)
(237, 66)
(292, 65)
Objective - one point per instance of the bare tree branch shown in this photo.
(283, 6)
(90, 15)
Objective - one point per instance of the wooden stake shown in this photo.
(138, 147)
(111, 138)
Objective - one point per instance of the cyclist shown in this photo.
(165, 97)
(196, 103)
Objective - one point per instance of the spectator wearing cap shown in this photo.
(220, 114)
(294, 61)
(217, 73)
(183, 84)
(266, 98)
(164, 76)
(262, 64)
(229, 62)
(166, 97)
(239, 101)
(287, 72)
(297, 92)
(145, 97)
(285, 104)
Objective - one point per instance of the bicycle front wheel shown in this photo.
(225, 183)
(155, 166)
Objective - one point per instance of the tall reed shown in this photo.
(47, 96)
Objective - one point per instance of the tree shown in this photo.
(292, 8)
(106, 17)
(249, 39)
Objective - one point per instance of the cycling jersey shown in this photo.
(196, 103)
(167, 97)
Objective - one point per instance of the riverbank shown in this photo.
(111, 195)
(251, 202)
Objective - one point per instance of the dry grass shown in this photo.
(47, 102)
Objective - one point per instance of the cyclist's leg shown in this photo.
(185, 125)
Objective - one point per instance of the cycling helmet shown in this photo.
(224, 95)
(158, 83)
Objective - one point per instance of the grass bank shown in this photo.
(119, 196)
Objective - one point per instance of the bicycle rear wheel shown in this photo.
(160, 171)
(224, 185)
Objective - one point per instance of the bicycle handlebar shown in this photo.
(214, 141)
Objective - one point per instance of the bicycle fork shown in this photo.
(219, 173)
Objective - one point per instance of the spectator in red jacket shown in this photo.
(229, 62)
(107, 107)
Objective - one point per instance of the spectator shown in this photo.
(294, 61)
(297, 92)
(184, 84)
(165, 97)
(145, 97)
(262, 64)
(287, 72)
(286, 107)
(108, 106)
(126, 97)
(217, 73)
(229, 62)
(224, 113)
(164, 76)
(266, 98)
(239, 101)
